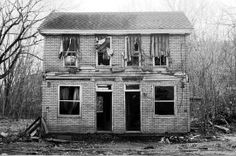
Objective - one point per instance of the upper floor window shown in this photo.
(103, 50)
(133, 50)
(69, 50)
(160, 49)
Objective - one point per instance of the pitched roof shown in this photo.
(118, 21)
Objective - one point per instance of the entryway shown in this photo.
(132, 106)
(104, 111)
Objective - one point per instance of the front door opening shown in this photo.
(104, 111)
(132, 111)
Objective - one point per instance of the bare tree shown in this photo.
(18, 19)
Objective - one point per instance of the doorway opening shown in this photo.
(132, 102)
(104, 111)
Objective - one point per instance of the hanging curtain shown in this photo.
(101, 43)
(131, 40)
(69, 43)
(76, 94)
(103, 46)
(75, 99)
(127, 52)
(64, 95)
(159, 45)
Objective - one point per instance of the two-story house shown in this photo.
(116, 72)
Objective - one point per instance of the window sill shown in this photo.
(103, 66)
(71, 66)
(160, 68)
(164, 116)
(133, 68)
(69, 116)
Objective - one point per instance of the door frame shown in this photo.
(111, 91)
(140, 92)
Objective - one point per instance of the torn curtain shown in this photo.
(69, 43)
(133, 44)
(103, 46)
(159, 45)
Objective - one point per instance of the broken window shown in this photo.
(69, 50)
(164, 100)
(69, 100)
(104, 50)
(133, 50)
(160, 49)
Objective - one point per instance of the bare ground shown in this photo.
(223, 144)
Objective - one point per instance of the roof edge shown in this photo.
(115, 32)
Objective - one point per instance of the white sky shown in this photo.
(132, 5)
(203, 14)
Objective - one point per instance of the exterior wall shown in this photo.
(152, 123)
(86, 123)
(87, 47)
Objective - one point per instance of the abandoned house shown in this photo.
(116, 72)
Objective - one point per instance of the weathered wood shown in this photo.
(44, 125)
(34, 127)
(56, 140)
(224, 129)
(32, 124)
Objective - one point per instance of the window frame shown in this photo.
(166, 65)
(110, 62)
(174, 100)
(167, 58)
(103, 90)
(76, 60)
(132, 90)
(139, 55)
(80, 101)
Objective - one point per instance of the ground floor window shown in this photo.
(69, 100)
(164, 100)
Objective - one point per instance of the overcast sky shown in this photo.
(132, 5)
(203, 14)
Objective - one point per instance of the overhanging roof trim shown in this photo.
(115, 32)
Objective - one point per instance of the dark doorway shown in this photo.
(132, 102)
(104, 111)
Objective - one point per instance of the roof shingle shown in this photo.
(115, 21)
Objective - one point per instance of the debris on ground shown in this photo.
(3, 134)
(149, 147)
(28, 140)
(219, 127)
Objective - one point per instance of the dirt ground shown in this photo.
(222, 144)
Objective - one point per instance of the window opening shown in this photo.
(160, 49)
(132, 50)
(69, 100)
(104, 50)
(164, 100)
(69, 50)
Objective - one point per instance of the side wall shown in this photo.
(150, 123)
